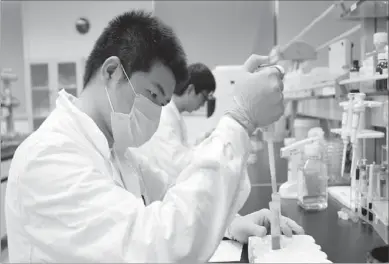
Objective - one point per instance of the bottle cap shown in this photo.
(316, 132)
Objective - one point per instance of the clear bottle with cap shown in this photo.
(313, 180)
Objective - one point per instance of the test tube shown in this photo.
(370, 191)
(275, 224)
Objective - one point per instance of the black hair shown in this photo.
(138, 39)
(201, 77)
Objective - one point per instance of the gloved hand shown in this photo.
(258, 99)
(255, 61)
(258, 224)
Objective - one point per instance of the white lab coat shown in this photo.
(170, 151)
(66, 201)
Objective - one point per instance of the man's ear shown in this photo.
(111, 70)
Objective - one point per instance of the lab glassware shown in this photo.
(313, 180)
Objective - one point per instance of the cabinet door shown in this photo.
(40, 92)
(68, 77)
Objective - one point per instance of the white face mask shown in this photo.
(137, 127)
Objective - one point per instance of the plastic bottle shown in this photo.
(313, 180)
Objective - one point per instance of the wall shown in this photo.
(219, 32)
(49, 26)
(11, 48)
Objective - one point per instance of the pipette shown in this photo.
(386, 121)
(295, 148)
(346, 127)
(268, 132)
(358, 108)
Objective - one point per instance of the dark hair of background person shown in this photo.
(201, 77)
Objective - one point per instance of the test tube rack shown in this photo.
(361, 135)
(370, 203)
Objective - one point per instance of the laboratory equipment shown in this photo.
(295, 249)
(288, 190)
(361, 188)
(313, 179)
(380, 40)
(10, 139)
(267, 133)
(352, 131)
(275, 207)
(334, 162)
(382, 183)
(8, 102)
(316, 184)
(354, 71)
(386, 122)
(346, 125)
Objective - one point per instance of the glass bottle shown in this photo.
(313, 180)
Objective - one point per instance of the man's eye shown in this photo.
(154, 95)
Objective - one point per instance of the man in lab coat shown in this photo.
(75, 195)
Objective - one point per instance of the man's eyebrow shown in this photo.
(160, 88)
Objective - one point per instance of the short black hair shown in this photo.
(138, 39)
(201, 77)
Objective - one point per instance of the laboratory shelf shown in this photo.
(364, 79)
(363, 134)
(320, 90)
(362, 9)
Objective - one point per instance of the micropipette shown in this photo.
(268, 132)
(356, 114)
(346, 127)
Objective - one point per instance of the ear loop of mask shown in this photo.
(132, 87)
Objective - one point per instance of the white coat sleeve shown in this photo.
(95, 220)
(168, 150)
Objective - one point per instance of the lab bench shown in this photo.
(343, 241)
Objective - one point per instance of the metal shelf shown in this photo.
(364, 79)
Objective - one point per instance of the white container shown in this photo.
(380, 40)
(295, 249)
(302, 126)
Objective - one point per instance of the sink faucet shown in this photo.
(7, 101)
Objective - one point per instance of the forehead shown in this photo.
(163, 76)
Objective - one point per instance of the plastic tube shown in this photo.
(275, 225)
